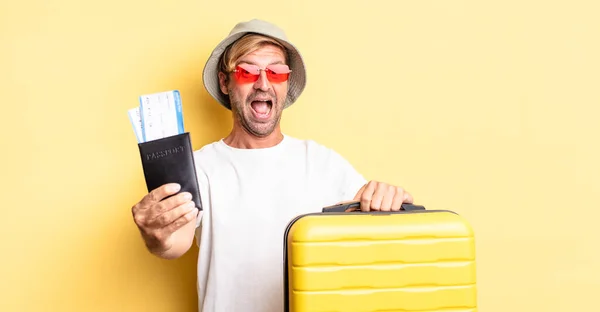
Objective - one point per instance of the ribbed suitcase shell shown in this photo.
(403, 261)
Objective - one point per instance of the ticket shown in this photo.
(136, 123)
(161, 115)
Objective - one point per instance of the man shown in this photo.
(254, 181)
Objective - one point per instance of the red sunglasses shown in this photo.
(247, 73)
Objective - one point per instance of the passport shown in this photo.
(171, 160)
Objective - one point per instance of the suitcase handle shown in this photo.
(355, 206)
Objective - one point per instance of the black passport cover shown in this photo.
(171, 160)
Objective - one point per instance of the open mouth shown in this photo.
(261, 109)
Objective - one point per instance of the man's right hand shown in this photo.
(158, 218)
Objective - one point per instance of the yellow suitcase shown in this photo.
(345, 260)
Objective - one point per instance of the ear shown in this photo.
(223, 82)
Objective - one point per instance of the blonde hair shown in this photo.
(244, 46)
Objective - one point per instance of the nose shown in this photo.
(262, 83)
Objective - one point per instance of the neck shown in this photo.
(240, 138)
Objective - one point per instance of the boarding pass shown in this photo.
(159, 115)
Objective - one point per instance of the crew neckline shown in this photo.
(249, 150)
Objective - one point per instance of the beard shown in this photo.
(243, 111)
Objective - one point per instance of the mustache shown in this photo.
(261, 95)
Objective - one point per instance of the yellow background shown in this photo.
(487, 108)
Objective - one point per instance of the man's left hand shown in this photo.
(380, 196)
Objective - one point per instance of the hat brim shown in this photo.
(296, 82)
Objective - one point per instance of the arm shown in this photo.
(373, 195)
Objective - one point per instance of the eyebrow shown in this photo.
(253, 63)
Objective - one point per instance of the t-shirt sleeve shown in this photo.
(347, 179)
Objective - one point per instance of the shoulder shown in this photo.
(207, 156)
(207, 150)
(314, 150)
(308, 145)
(207, 153)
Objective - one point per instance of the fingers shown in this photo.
(182, 220)
(367, 195)
(398, 199)
(165, 212)
(171, 203)
(156, 211)
(166, 218)
(387, 204)
(407, 198)
(160, 193)
(162, 212)
(380, 196)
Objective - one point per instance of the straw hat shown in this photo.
(297, 80)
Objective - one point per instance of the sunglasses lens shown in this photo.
(278, 73)
(244, 76)
(273, 77)
(249, 73)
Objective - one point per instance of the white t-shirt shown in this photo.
(249, 196)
